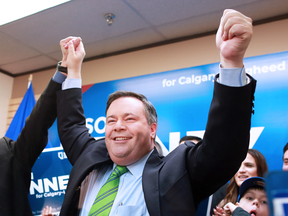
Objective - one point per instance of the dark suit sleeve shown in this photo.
(218, 196)
(225, 143)
(34, 135)
(240, 212)
(71, 122)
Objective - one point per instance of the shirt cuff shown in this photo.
(71, 83)
(58, 77)
(233, 77)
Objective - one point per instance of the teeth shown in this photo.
(121, 138)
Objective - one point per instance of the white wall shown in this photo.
(6, 86)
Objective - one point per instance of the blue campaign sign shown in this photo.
(277, 192)
(49, 179)
(271, 105)
(182, 99)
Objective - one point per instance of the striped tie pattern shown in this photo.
(105, 198)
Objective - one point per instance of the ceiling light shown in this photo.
(12, 10)
(109, 18)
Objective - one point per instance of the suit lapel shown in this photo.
(150, 182)
(91, 159)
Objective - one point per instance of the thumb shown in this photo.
(71, 50)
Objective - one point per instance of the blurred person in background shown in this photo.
(285, 158)
(193, 139)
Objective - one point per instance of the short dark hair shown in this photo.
(150, 111)
(285, 148)
(190, 138)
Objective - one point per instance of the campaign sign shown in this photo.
(50, 175)
(271, 105)
(277, 192)
(182, 99)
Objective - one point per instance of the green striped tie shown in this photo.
(105, 198)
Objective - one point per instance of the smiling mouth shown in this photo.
(242, 177)
(121, 138)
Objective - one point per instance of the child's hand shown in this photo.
(229, 208)
(219, 212)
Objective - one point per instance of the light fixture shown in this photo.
(12, 10)
(109, 18)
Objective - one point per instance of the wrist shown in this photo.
(231, 63)
(74, 73)
(61, 67)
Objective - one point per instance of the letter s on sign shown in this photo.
(90, 127)
(96, 125)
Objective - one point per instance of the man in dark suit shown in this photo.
(154, 185)
(18, 157)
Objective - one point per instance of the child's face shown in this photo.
(255, 202)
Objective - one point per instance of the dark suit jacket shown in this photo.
(240, 212)
(17, 157)
(175, 184)
(218, 196)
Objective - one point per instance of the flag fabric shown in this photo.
(22, 113)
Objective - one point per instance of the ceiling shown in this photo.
(31, 44)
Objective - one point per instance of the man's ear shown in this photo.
(153, 129)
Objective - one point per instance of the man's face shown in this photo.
(255, 202)
(285, 161)
(128, 135)
(247, 169)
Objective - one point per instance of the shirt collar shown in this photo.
(136, 169)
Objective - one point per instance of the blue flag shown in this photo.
(22, 113)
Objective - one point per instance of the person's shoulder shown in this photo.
(6, 144)
(98, 143)
(179, 152)
(222, 190)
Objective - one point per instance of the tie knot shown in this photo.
(119, 170)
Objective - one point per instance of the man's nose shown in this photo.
(120, 125)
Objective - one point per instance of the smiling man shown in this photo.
(127, 126)
(123, 174)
